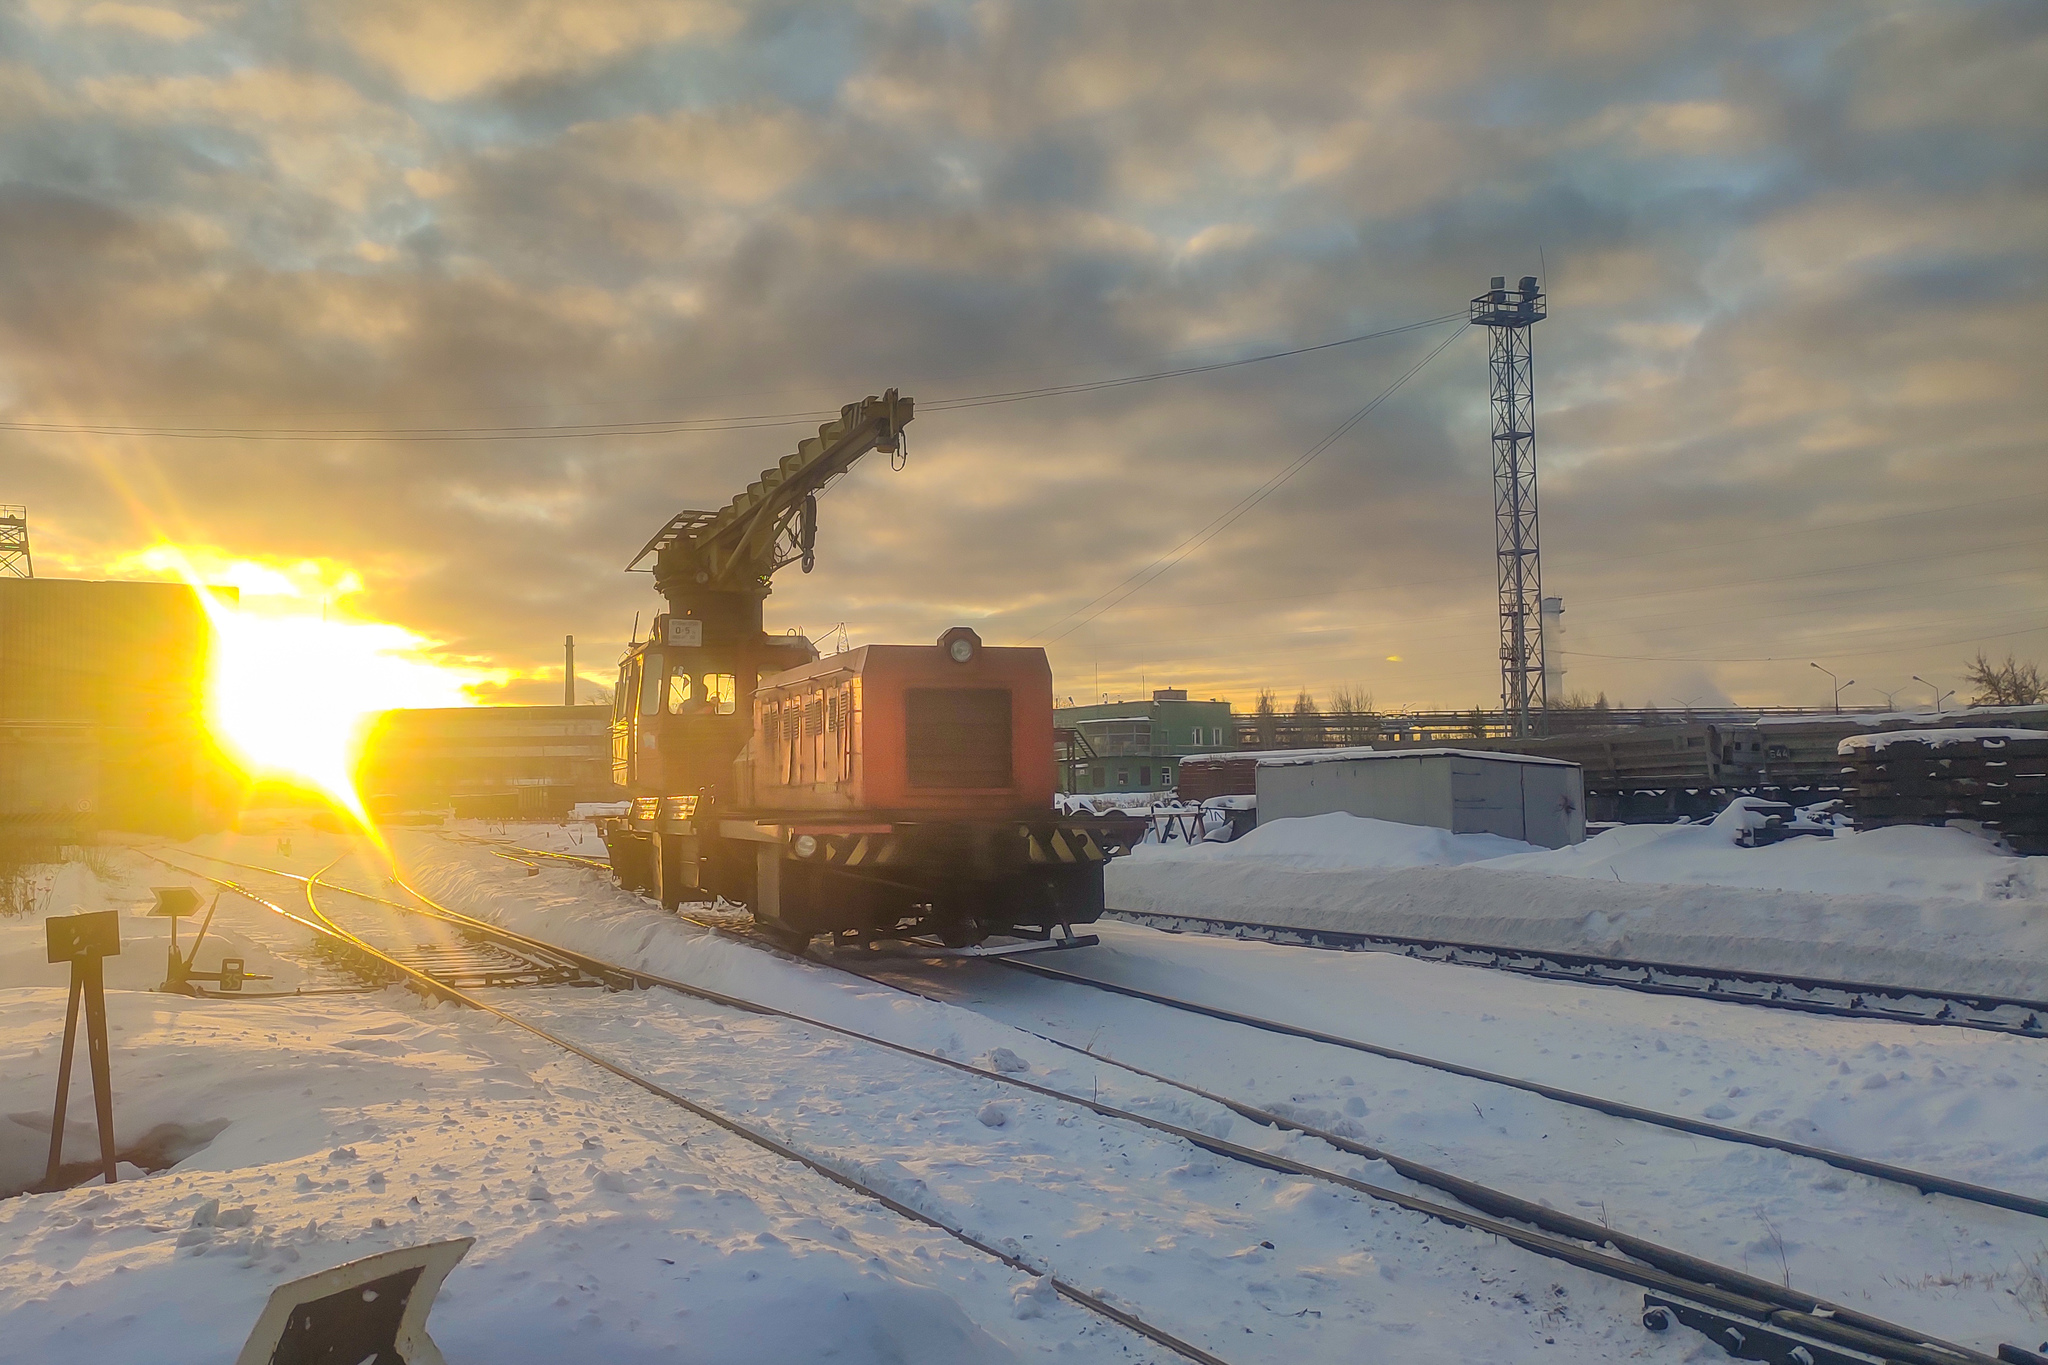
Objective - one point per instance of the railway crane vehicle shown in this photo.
(889, 791)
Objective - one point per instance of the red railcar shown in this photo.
(889, 789)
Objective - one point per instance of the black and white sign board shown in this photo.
(685, 632)
(367, 1312)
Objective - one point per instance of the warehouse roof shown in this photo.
(1294, 757)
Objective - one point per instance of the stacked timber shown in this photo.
(1995, 778)
(1203, 776)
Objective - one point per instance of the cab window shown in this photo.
(650, 684)
(720, 693)
(679, 693)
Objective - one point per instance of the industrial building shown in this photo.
(1536, 800)
(488, 762)
(1136, 746)
(103, 710)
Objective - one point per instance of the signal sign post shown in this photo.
(85, 941)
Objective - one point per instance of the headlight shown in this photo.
(806, 845)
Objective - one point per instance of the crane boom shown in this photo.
(774, 520)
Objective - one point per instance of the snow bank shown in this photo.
(311, 1131)
(1337, 840)
(1912, 906)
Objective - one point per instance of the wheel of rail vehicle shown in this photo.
(961, 931)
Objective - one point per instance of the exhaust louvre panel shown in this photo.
(957, 737)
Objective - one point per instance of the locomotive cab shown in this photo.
(682, 710)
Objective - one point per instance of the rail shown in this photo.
(1805, 994)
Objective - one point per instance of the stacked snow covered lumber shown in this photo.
(1998, 778)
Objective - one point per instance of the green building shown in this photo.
(1136, 746)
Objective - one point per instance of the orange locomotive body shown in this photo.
(888, 790)
(906, 729)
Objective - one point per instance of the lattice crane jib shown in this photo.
(773, 522)
(1508, 314)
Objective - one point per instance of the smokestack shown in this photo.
(568, 670)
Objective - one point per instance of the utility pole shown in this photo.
(568, 670)
(1508, 314)
(14, 556)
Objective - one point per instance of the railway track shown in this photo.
(1803, 994)
(1923, 1182)
(1808, 995)
(373, 958)
(1681, 1287)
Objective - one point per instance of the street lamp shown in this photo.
(1939, 695)
(1839, 685)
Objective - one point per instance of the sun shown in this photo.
(294, 677)
(290, 695)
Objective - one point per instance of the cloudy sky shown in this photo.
(1791, 399)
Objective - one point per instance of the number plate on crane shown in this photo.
(686, 632)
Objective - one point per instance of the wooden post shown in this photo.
(85, 941)
(63, 1083)
(97, 1048)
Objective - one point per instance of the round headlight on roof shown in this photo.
(960, 644)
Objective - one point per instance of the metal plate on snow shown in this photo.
(367, 1312)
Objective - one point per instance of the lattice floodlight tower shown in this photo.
(14, 556)
(1508, 314)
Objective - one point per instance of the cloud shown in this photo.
(454, 48)
(1784, 375)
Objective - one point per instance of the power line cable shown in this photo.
(1158, 568)
(1442, 580)
(670, 426)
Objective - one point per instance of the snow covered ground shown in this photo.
(1938, 908)
(612, 1226)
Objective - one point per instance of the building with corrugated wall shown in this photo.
(103, 709)
(488, 761)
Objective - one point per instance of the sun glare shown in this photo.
(295, 677)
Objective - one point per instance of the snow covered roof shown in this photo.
(1881, 718)
(1938, 739)
(1259, 755)
(1292, 757)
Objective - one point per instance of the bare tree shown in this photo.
(1266, 720)
(1306, 724)
(2011, 683)
(1353, 723)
